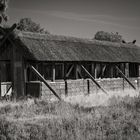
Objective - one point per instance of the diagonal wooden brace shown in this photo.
(71, 68)
(6, 35)
(125, 77)
(92, 78)
(44, 81)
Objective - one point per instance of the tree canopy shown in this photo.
(3, 8)
(28, 25)
(106, 36)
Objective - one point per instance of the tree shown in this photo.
(26, 24)
(3, 8)
(106, 36)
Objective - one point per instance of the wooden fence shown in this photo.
(76, 87)
(86, 86)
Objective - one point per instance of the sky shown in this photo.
(81, 18)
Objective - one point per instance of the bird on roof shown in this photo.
(133, 42)
(123, 41)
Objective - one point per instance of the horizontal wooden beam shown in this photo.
(44, 81)
(92, 78)
(125, 77)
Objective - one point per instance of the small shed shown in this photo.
(60, 58)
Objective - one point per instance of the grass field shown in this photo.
(92, 117)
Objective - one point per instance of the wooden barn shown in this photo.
(26, 57)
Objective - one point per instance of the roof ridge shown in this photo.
(53, 37)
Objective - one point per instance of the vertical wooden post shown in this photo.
(138, 83)
(66, 87)
(63, 70)
(139, 77)
(53, 75)
(127, 69)
(93, 69)
(111, 71)
(25, 73)
(76, 71)
(18, 82)
(0, 80)
(65, 79)
(101, 75)
(25, 77)
(95, 75)
(123, 84)
(88, 86)
(14, 92)
(139, 70)
(79, 73)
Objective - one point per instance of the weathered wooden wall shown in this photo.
(78, 87)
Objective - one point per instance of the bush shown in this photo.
(28, 25)
(106, 36)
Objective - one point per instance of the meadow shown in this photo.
(91, 117)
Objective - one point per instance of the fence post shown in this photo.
(130, 83)
(88, 86)
(66, 88)
(138, 82)
(92, 78)
(0, 83)
(123, 84)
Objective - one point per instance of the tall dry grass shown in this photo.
(39, 119)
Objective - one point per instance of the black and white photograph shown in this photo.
(69, 69)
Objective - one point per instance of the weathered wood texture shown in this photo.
(125, 78)
(44, 81)
(139, 70)
(17, 68)
(92, 78)
(0, 81)
(81, 87)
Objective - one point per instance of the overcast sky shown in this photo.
(81, 18)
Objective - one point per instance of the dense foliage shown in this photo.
(106, 36)
(3, 8)
(28, 25)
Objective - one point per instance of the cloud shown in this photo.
(125, 22)
(128, 22)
